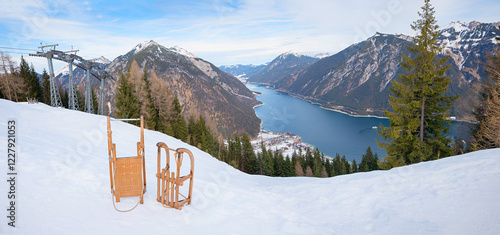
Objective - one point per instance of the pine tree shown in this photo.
(64, 97)
(354, 167)
(28, 73)
(298, 169)
(95, 103)
(45, 87)
(369, 162)
(126, 103)
(248, 155)
(81, 100)
(177, 106)
(486, 134)
(191, 130)
(36, 87)
(419, 120)
(149, 107)
(180, 128)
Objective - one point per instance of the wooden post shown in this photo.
(143, 153)
(110, 146)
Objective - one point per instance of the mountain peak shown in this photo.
(458, 26)
(290, 53)
(141, 46)
(102, 60)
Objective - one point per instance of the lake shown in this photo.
(330, 131)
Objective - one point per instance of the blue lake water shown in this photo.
(331, 132)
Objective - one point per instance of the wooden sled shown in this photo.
(127, 174)
(169, 182)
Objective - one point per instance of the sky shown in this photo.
(223, 32)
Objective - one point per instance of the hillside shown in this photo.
(63, 188)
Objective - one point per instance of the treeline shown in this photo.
(239, 153)
(21, 83)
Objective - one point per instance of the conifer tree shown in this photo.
(180, 128)
(177, 106)
(162, 102)
(248, 155)
(298, 169)
(64, 97)
(486, 134)
(369, 162)
(191, 130)
(328, 167)
(354, 167)
(45, 87)
(126, 103)
(324, 174)
(309, 172)
(149, 107)
(419, 120)
(289, 167)
(95, 103)
(81, 100)
(34, 89)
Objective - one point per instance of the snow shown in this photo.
(63, 188)
(288, 53)
(102, 60)
(458, 26)
(64, 70)
(141, 46)
(323, 55)
(182, 51)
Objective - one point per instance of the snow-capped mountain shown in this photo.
(468, 44)
(356, 79)
(63, 187)
(240, 70)
(202, 88)
(281, 66)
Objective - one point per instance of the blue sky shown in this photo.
(223, 32)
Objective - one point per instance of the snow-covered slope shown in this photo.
(63, 188)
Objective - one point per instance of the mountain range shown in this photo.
(356, 79)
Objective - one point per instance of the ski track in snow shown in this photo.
(63, 188)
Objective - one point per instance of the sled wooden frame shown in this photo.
(168, 182)
(127, 174)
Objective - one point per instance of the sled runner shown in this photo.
(169, 182)
(127, 174)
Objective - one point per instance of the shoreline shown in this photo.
(333, 109)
